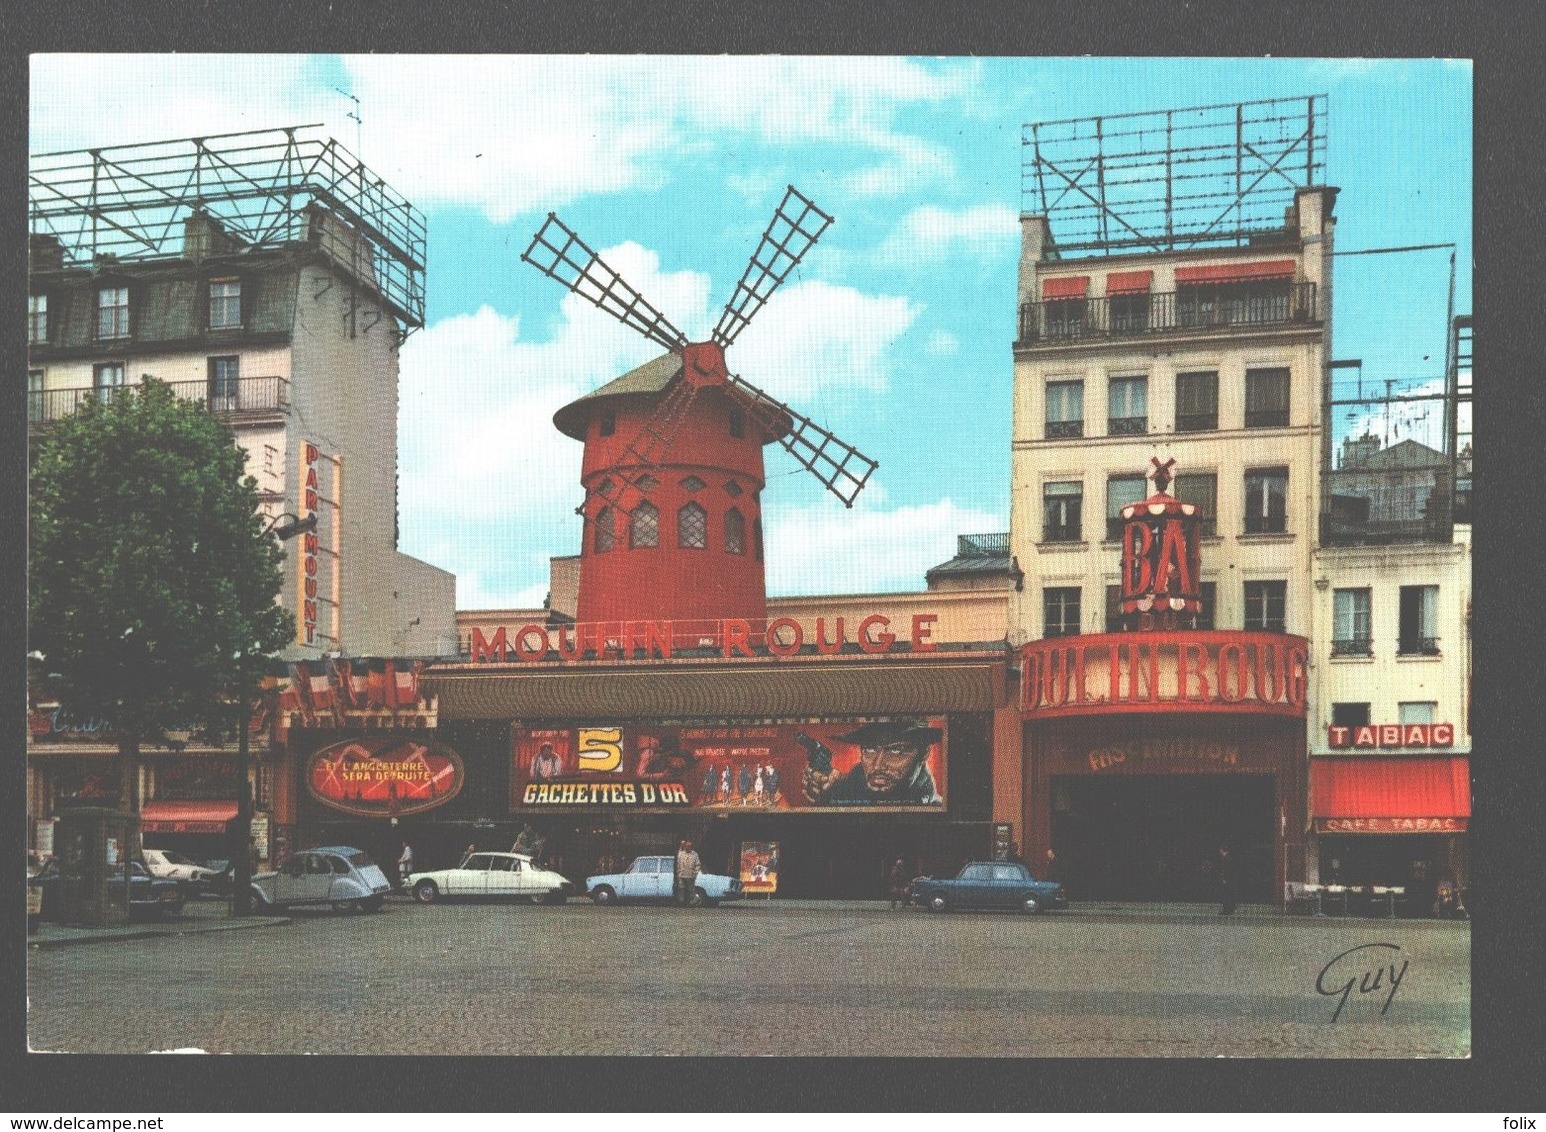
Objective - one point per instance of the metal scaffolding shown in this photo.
(265, 189)
(1172, 179)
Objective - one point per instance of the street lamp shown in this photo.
(283, 527)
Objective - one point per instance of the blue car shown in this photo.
(652, 880)
(149, 896)
(989, 884)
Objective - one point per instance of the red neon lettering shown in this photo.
(1443, 734)
(776, 646)
(310, 613)
(822, 646)
(311, 565)
(1137, 575)
(572, 646)
(923, 627)
(1363, 737)
(311, 453)
(1271, 676)
(311, 587)
(1297, 675)
(878, 642)
(311, 543)
(1339, 736)
(311, 478)
(1390, 734)
(736, 636)
(1030, 681)
(1182, 674)
(483, 649)
(1173, 550)
(1414, 735)
(530, 652)
(658, 638)
(311, 499)
(1226, 664)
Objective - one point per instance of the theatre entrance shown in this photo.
(1156, 837)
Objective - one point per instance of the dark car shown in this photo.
(989, 884)
(148, 896)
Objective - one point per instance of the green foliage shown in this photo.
(152, 583)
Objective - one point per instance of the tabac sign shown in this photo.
(384, 775)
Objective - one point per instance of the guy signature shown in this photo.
(1362, 973)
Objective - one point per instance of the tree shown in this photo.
(152, 578)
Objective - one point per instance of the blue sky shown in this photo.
(894, 332)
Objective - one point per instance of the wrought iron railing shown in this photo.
(246, 395)
(1064, 320)
(1352, 646)
(1417, 646)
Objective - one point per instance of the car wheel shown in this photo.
(340, 907)
(261, 903)
(426, 892)
(1030, 904)
(557, 896)
(698, 899)
(604, 895)
(937, 904)
(373, 904)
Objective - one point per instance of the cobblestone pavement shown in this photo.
(781, 979)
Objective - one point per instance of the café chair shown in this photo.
(1338, 892)
(1387, 893)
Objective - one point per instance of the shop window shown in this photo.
(605, 533)
(1266, 606)
(225, 304)
(34, 394)
(1201, 488)
(644, 526)
(1061, 504)
(1065, 409)
(106, 378)
(37, 319)
(1266, 398)
(735, 532)
(113, 312)
(1350, 620)
(1266, 501)
(1121, 491)
(1350, 715)
(1197, 401)
(1060, 611)
(224, 384)
(692, 527)
(1419, 621)
(1416, 711)
(1127, 406)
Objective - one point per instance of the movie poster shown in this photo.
(759, 868)
(896, 764)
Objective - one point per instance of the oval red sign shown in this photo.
(384, 775)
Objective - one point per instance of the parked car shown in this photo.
(492, 876)
(339, 875)
(653, 879)
(149, 896)
(174, 866)
(989, 884)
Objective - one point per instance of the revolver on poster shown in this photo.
(817, 755)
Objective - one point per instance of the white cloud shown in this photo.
(928, 234)
(864, 551)
(942, 343)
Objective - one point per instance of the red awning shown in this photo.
(1236, 272)
(1390, 795)
(1128, 282)
(1067, 287)
(186, 817)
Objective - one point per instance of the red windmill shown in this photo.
(673, 470)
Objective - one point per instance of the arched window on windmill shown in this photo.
(605, 535)
(692, 527)
(735, 531)
(644, 526)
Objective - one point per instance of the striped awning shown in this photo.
(186, 817)
(1236, 272)
(1390, 794)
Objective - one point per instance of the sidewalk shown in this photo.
(197, 916)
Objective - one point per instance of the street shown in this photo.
(790, 979)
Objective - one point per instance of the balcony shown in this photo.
(1072, 320)
(1417, 646)
(1352, 646)
(249, 396)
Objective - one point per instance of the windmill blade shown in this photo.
(649, 446)
(796, 226)
(841, 467)
(558, 252)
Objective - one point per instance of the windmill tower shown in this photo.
(673, 469)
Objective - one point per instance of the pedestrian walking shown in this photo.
(898, 883)
(1226, 882)
(405, 864)
(687, 869)
(1053, 867)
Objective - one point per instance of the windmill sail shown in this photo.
(841, 467)
(558, 252)
(795, 227)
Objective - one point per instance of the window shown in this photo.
(1266, 494)
(1120, 491)
(34, 394)
(1265, 606)
(1127, 406)
(1350, 715)
(37, 319)
(1201, 488)
(735, 532)
(606, 425)
(1266, 398)
(1065, 408)
(105, 378)
(732, 488)
(1419, 621)
(224, 383)
(644, 526)
(113, 312)
(1113, 609)
(1225, 304)
(606, 535)
(1350, 623)
(1197, 401)
(1129, 313)
(1208, 594)
(1060, 512)
(692, 483)
(1416, 711)
(1060, 611)
(692, 527)
(647, 482)
(1065, 318)
(737, 422)
(225, 304)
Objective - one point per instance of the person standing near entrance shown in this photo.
(405, 864)
(1226, 880)
(687, 869)
(898, 883)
